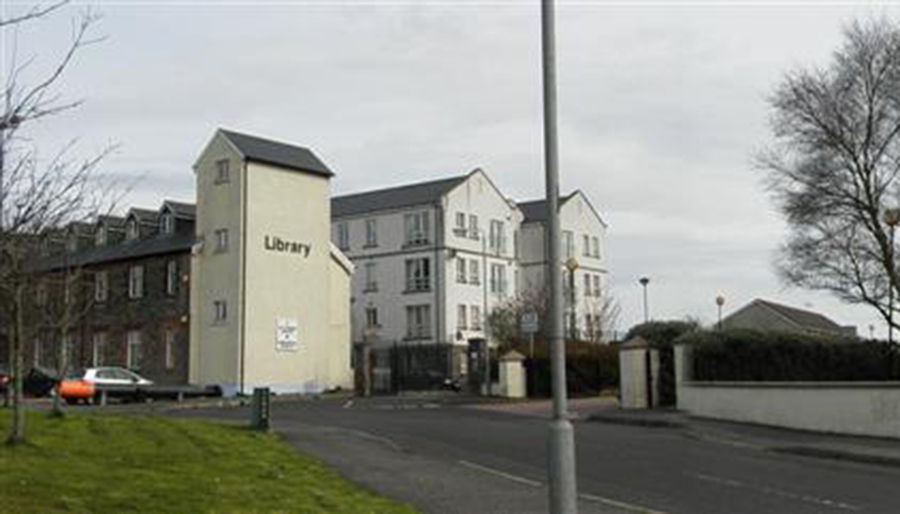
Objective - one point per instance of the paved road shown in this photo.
(449, 459)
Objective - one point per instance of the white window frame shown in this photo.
(496, 237)
(172, 277)
(417, 228)
(136, 281)
(474, 272)
(498, 279)
(371, 232)
(371, 277)
(596, 241)
(167, 222)
(460, 228)
(418, 321)
(220, 311)
(461, 273)
(418, 274)
(569, 243)
(100, 238)
(475, 322)
(597, 288)
(372, 317)
(221, 240)
(132, 229)
(586, 250)
(473, 227)
(98, 348)
(461, 317)
(101, 286)
(343, 235)
(133, 350)
(223, 171)
(587, 285)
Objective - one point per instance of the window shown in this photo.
(371, 277)
(172, 278)
(418, 321)
(220, 311)
(132, 230)
(569, 242)
(98, 348)
(136, 282)
(133, 357)
(38, 351)
(343, 236)
(586, 250)
(496, 238)
(597, 291)
(473, 226)
(596, 241)
(474, 274)
(498, 278)
(72, 242)
(418, 231)
(418, 275)
(460, 228)
(167, 223)
(40, 295)
(371, 317)
(222, 171)
(461, 323)
(461, 276)
(101, 286)
(476, 317)
(221, 240)
(68, 350)
(170, 349)
(371, 233)
(587, 285)
(516, 244)
(100, 236)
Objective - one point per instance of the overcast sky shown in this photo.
(662, 107)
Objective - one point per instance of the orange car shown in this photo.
(74, 389)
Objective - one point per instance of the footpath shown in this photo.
(864, 450)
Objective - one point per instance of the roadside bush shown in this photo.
(750, 355)
(661, 335)
(590, 367)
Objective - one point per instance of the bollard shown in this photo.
(260, 408)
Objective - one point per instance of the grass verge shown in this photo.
(98, 464)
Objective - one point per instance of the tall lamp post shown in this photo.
(644, 281)
(720, 301)
(891, 218)
(561, 437)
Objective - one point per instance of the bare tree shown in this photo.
(833, 168)
(603, 312)
(37, 196)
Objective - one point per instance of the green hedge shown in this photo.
(749, 355)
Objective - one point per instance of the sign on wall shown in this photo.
(286, 335)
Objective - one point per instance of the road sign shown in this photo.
(529, 322)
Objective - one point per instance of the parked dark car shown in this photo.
(40, 381)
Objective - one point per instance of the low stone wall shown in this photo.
(856, 408)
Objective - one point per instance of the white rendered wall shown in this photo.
(855, 408)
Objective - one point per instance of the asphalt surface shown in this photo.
(456, 459)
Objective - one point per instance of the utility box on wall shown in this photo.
(638, 375)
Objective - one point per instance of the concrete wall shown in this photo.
(855, 408)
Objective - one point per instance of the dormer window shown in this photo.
(100, 236)
(167, 223)
(72, 243)
(131, 229)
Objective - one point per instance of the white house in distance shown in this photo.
(432, 258)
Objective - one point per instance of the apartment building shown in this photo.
(434, 258)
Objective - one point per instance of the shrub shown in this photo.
(750, 355)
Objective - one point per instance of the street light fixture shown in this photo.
(892, 219)
(644, 281)
(720, 301)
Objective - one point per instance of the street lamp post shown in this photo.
(561, 440)
(892, 218)
(644, 281)
(720, 301)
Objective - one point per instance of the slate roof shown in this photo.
(113, 222)
(800, 317)
(182, 209)
(156, 245)
(394, 198)
(536, 210)
(266, 151)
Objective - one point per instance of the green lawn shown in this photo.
(105, 463)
